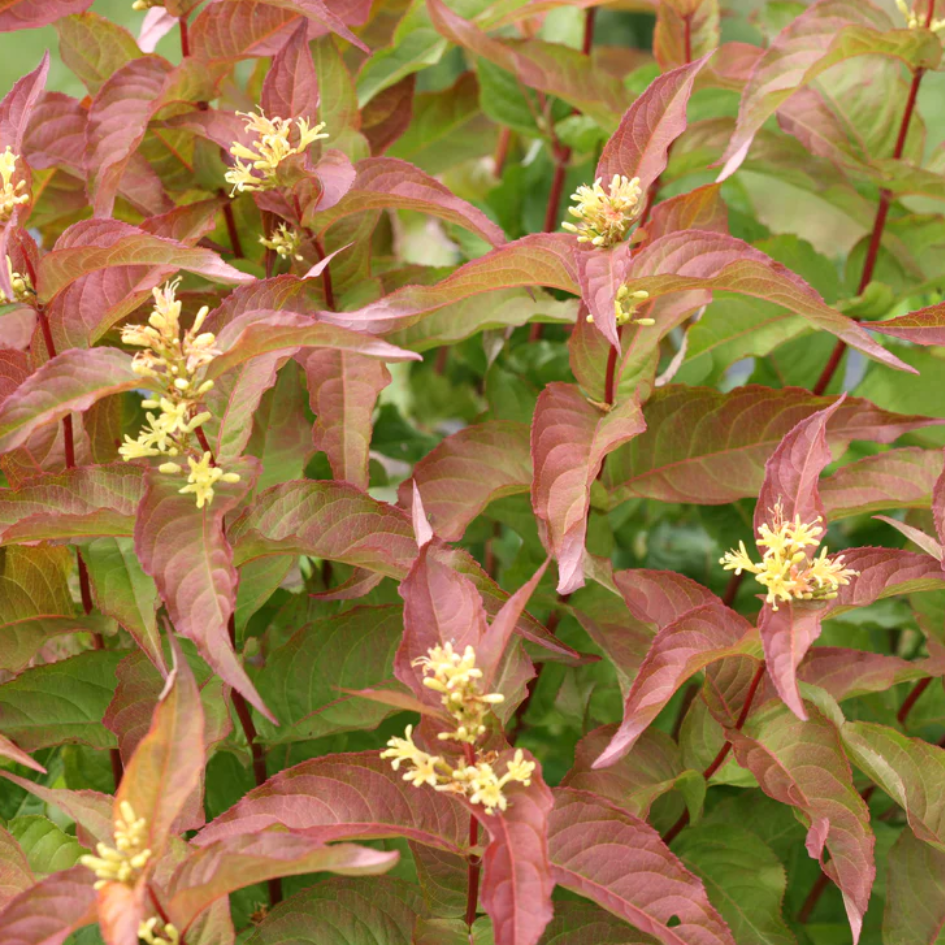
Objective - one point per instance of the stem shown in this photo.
(719, 759)
(517, 720)
(879, 224)
(501, 151)
(473, 862)
(269, 257)
(912, 699)
(184, 37)
(163, 914)
(326, 277)
(259, 758)
(85, 587)
(731, 589)
(609, 380)
(813, 897)
(231, 230)
(687, 36)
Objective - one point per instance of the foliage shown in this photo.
(364, 511)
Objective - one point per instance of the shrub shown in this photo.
(579, 622)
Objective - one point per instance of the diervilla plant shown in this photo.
(393, 550)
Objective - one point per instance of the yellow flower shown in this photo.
(22, 289)
(916, 21)
(285, 241)
(786, 570)
(203, 477)
(11, 195)
(154, 932)
(625, 307)
(256, 166)
(142, 5)
(125, 861)
(605, 215)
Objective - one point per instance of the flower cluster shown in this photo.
(123, 862)
(478, 782)
(285, 241)
(625, 308)
(168, 935)
(787, 570)
(175, 362)
(22, 289)
(255, 167)
(605, 215)
(11, 195)
(456, 678)
(143, 5)
(915, 21)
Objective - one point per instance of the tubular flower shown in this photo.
(915, 21)
(155, 933)
(22, 289)
(125, 861)
(605, 215)
(174, 361)
(285, 241)
(456, 677)
(787, 570)
(255, 167)
(11, 195)
(625, 308)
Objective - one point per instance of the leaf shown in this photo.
(700, 260)
(15, 873)
(28, 14)
(218, 869)
(570, 439)
(468, 470)
(118, 120)
(606, 854)
(541, 259)
(17, 106)
(260, 332)
(350, 651)
(186, 552)
(899, 478)
(681, 649)
(47, 913)
(685, 30)
(745, 880)
(167, 765)
(60, 703)
(581, 923)
(72, 381)
(845, 674)
(907, 769)
(235, 30)
(35, 603)
(640, 145)
(47, 848)
(699, 209)
(387, 116)
(440, 606)
(290, 88)
(101, 244)
(708, 447)
(319, 11)
(822, 36)
(802, 764)
(923, 327)
(884, 572)
(915, 898)
(82, 502)
(652, 768)
(345, 797)
(661, 597)
(517, 879)
(9, 751)
(343, 389)
(336, 911)
(385, 183)
(122, 590)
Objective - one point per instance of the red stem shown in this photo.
(731, 589)
(184, 37)
(326, 277)
(687, 36)
(817, 890)
(474, 863)
(259, 758)
(231, 230)
(912, 699)
(879, 224)
(501, 150)
(719, 759)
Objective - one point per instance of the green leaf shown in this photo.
(61, 702)
(745, 880)
(94, 47)
(46, 846)
(506, 101)
(915, 894)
